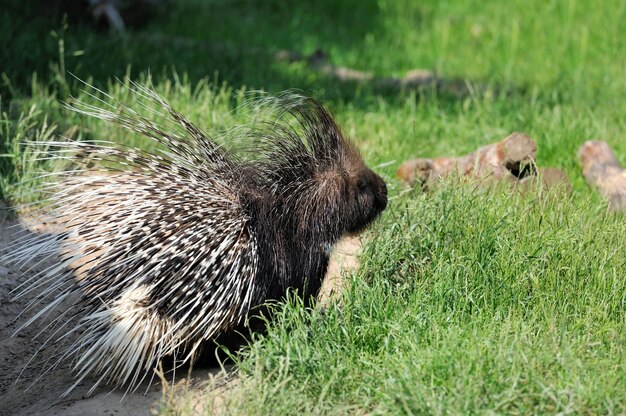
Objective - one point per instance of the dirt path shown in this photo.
(28, 390)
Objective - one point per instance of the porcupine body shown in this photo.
(165, 252)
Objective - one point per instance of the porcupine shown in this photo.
(166, 251)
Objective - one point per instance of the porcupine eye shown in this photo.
(370, 199)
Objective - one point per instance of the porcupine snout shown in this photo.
(370, 200)
(380, 193)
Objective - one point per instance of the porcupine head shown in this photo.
(320, 190)
(168, 250)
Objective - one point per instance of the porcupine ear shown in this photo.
(130, 237)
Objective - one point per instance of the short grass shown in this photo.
(467, 301)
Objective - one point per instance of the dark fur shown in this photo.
(318, 190)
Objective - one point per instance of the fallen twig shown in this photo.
(512, 160)
(319, 61)
(602, 170)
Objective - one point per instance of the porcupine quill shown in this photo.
(163, 252)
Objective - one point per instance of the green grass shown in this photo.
(466, 301)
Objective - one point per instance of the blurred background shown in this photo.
(406, 78)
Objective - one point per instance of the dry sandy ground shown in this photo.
(18, 394)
